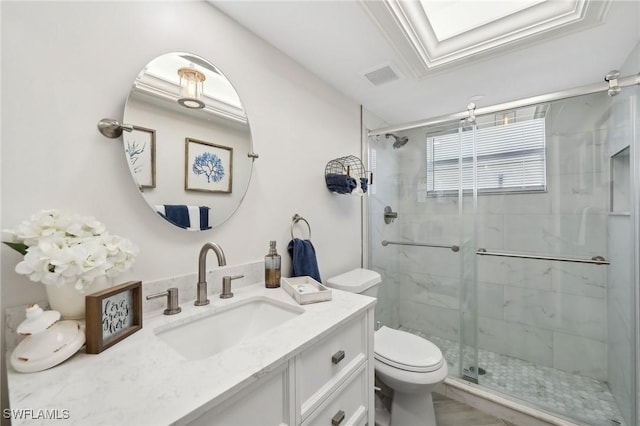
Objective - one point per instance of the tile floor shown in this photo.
(582, 398)
(454, 413)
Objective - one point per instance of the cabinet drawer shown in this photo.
(264, 403)
(346, 406)
(327, 359)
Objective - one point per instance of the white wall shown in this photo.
(66, 65)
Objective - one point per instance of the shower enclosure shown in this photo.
(510, 240)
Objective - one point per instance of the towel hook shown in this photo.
(295, 219)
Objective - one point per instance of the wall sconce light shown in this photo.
(191, 84)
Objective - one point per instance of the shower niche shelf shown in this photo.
(620, 170)
(346, 175)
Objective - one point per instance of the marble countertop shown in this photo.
(143, 381)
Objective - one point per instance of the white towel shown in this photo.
(194, 217)
(357, 191)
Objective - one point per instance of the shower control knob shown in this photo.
(389, 215)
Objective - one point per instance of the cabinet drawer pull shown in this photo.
(338, 418)
(337, 357)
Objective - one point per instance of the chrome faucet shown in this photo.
(201, 299)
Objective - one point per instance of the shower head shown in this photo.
(399, 141)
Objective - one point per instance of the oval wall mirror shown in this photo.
(190, 152)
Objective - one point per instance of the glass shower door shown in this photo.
(623, 246)
(542, 190)
(537, 301)
(420, 252)
(467, 199)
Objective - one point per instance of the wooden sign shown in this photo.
(112, 315)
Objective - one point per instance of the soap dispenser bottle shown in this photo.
(272, 267)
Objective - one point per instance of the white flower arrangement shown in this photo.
(61, 248)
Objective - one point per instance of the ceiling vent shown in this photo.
(381, 75)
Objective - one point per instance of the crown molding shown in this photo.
(164, 93)
(409, 32)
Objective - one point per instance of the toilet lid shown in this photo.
(406, 351)
(355, 281)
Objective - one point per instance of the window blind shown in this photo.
(510, 157)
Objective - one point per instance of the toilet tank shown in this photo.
(362, 281)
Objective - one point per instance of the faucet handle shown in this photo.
(172, 300)
(226, 286)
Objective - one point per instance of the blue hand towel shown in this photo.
(187, 217)
(303, 257)
(204, 218)
(342, 184)
(178, 214)
(364, 183)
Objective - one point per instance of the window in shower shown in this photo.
(510, 158)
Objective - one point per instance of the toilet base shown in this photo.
(412, 409)
(382, 415)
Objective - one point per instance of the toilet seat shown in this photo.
(406, 351)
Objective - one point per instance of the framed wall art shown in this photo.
(112, 315)
(140, 149)
(208, 167)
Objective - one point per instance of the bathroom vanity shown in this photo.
(313, 366)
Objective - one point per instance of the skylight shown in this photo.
(429, 34)
(452, 18)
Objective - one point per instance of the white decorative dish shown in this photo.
(37, 320)
(305, 290)
(48, 342)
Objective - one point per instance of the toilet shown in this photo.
(410, 365)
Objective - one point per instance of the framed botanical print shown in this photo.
(140, 148)
(208, 167)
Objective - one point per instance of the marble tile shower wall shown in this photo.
(549, 313)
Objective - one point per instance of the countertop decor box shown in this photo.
(305, 290)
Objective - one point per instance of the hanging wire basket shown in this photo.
(346, 175)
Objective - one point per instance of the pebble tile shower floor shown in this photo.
(583, 398)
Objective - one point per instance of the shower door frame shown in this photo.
(472, 111)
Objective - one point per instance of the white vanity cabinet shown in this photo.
(328, 383)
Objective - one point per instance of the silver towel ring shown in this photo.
(295, 219)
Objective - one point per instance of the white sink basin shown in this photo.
(205, 335)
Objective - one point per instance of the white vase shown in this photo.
(69, 301)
